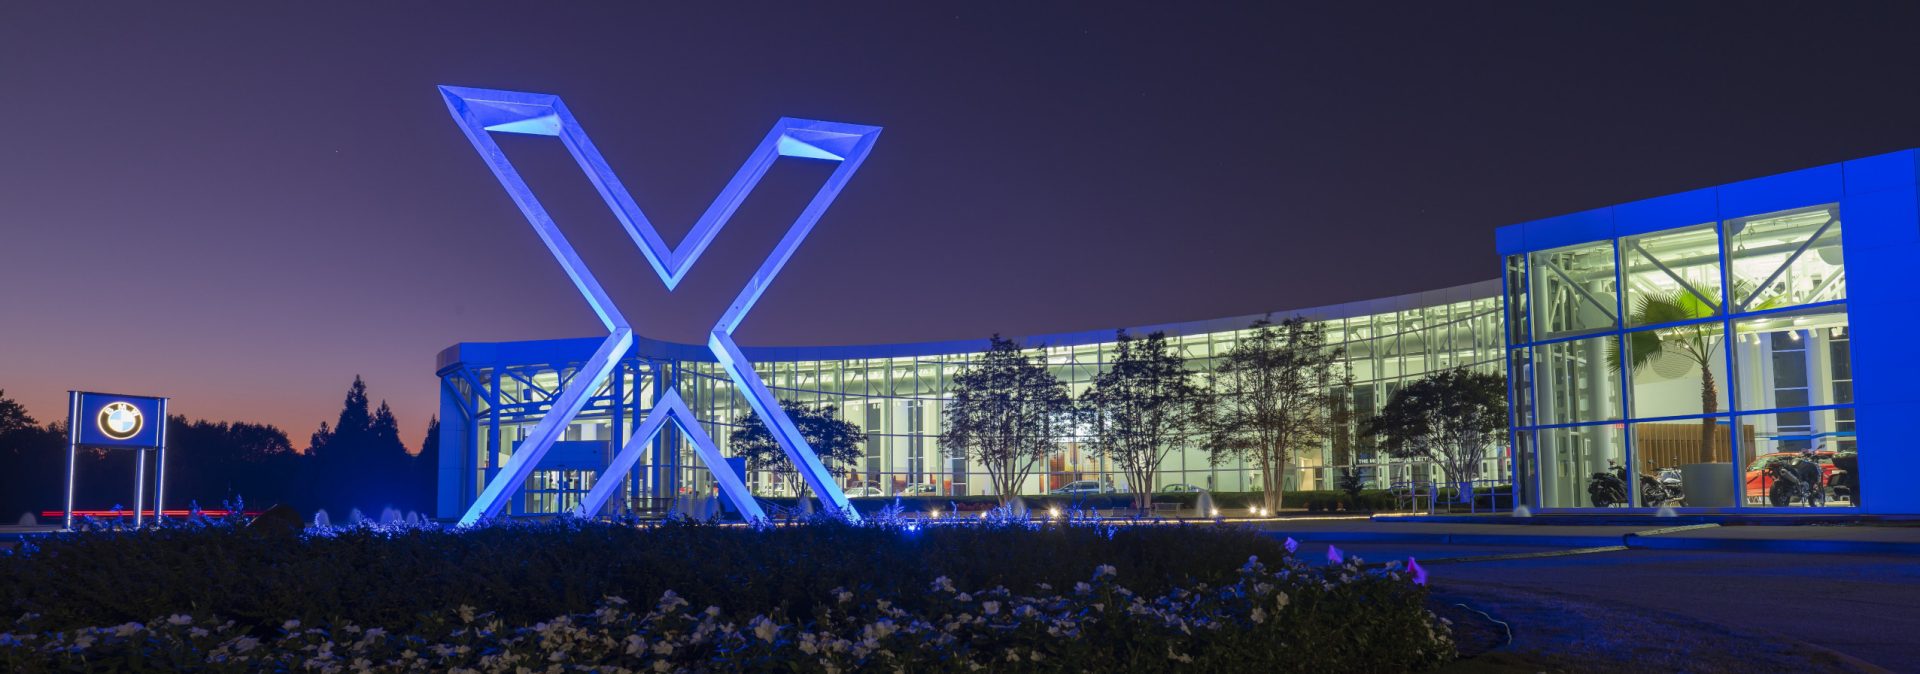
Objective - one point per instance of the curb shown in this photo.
(1654, 539)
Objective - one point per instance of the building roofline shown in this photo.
(578, 349)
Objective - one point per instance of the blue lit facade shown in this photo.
(1700, 335)
(1794, 292)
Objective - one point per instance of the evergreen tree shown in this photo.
(426, 468)
(317, 443)
(432, 442)
(355, 427)
(384, 434)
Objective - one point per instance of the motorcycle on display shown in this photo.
(1608, 489)
(1670, 483)
(1845, 480)
(1795, 479)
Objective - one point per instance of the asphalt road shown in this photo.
(1725, 607)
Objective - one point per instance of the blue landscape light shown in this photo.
(481, 112)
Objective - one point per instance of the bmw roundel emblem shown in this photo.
(120, 420)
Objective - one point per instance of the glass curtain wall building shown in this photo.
(1703, 347)
(1698, 350)
(492, 394)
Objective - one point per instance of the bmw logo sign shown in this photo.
(120, 420)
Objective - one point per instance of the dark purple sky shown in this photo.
(244, 206)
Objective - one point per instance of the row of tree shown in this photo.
(1279, 391)
(358, 461)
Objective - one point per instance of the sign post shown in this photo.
(109, 421)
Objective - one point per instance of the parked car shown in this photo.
(1180, 489)
(864, 490)
(1760, 484)
(918, 489)
(1082, 487)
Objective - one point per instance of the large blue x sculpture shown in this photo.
(482, 112)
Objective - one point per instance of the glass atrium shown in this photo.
(1708, 361)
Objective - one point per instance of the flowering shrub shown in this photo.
(394, 575)
(1294, 618)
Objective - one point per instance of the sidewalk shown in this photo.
(1654, 535)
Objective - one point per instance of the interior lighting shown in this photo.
(1053, 512)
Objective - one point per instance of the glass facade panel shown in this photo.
(1785, 259)
(1572, 291)
(1796, 359)
(1672, 276)
(1722, 375)
(1797, 459)
(1516, 282)
(1679, 370)
(898, 402)
(1684, 462)
(1575, 381)
(1576, 464)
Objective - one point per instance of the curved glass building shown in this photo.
(492, 394)
(1700, 346)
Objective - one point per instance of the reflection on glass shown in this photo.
(1573, 290)
(1786, 258)
(1580, 467)
(1575, 382)
(1799, 459)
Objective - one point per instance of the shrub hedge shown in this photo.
(819, 597)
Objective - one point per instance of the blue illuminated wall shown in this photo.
(1876, 202)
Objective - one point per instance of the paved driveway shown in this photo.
(1861, 606)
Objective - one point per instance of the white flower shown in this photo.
(990, 607)
(198, 632)
(127, 629)
(1280, 600)
(1082, 588)
(179, 619)
(943, 583)
(1105, 570)
(661, 666)
(466, 613)
(290, 625)
(663, 648)
(764, 628)
(963, 597)
(244, 644)
(635, 645)
(841, 595)
(1259, 616)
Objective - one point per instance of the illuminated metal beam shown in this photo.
(481, 112)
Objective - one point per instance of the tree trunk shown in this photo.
(1709, 404)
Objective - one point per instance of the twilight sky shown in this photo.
(244, 206)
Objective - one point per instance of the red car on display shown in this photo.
(1760, 483)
